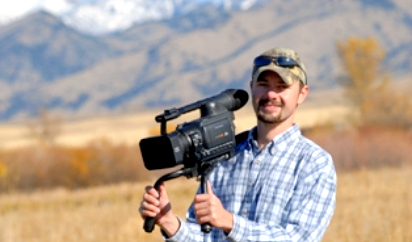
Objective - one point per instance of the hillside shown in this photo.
(46, 64)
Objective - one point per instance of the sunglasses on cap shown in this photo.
(281, 61)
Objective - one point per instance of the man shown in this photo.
(279, 186)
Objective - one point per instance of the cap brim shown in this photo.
(284, 73)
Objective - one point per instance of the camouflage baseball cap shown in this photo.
(283, 61)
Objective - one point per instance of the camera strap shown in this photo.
(241, 137)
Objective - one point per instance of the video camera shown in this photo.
(197, 144)
(202, 140)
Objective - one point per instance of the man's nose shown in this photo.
(272, 93)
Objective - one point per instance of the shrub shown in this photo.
(366, 147)
(98, 163)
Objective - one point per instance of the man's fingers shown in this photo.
(202, 219)
(148, 209)
(151, 190)
(201, 199)
(202, 212)
(150, 198)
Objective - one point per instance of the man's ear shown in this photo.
(303, 94)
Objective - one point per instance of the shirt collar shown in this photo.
(278, 143)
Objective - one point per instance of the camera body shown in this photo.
(206, 139)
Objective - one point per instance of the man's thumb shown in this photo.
(162, 190)
(209, 188)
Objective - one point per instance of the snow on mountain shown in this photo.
(13, 10)
(115, 15)
(107, 16)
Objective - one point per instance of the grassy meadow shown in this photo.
(372, 205)
(374, 197)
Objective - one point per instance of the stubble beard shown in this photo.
(267, 117)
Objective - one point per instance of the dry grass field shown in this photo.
(371, 206)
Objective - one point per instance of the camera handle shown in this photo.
(149, 222)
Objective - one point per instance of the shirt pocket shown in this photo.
(273, 198)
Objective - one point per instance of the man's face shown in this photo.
(274, 101)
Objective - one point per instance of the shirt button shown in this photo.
(245, 212)
(257, 162)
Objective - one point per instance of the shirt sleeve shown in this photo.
(307, 215)
(188, 231)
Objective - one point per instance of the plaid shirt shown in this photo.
(285, 192)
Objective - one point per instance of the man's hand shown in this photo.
(157, 205)
(209, 209)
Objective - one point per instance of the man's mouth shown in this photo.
(269, 103)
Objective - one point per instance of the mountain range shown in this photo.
(47, 63)
(99, 17)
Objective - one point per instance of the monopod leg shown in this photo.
(206, 228)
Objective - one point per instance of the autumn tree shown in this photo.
(376, 100)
